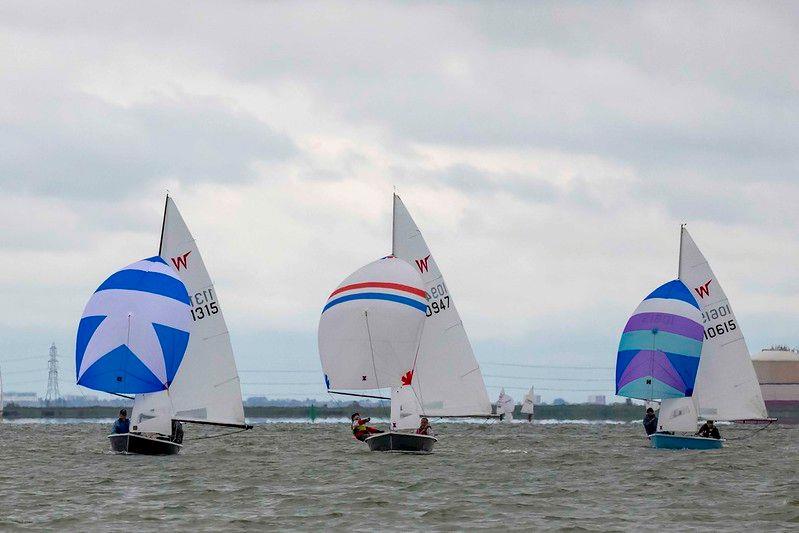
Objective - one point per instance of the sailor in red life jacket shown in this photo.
(424, 427)
(359, 427)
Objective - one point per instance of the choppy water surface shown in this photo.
(305, 476)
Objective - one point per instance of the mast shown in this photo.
(679, 253)
(163, 225)
(393, 222)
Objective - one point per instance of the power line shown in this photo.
(22, 359)
(604, 380)
(553, 366)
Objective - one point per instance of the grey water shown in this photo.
(303, 476)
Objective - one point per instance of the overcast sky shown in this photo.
(548, 151)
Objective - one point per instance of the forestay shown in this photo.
(370, 327)
(726, 384)
(448, 380)
(660, 347)
(134, 331)
(206, 389)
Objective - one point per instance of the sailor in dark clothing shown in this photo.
(122, 424)
(650, 421)
(709, 430)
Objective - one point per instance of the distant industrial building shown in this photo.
(777, 371)
(597, 399)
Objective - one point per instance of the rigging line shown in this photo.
(753, 433)
(371, 348)
(553, 366)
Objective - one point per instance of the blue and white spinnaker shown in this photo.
(134, 331)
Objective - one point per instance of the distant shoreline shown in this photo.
(620, 412)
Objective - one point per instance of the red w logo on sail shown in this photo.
(422, 263)
(408, 376)
(703, 290)
(181, 261)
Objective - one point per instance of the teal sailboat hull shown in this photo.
(684, 442)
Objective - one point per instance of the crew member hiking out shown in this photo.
(359, 427)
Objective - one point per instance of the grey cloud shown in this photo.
(77, 145)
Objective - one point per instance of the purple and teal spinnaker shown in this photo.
(661, 345)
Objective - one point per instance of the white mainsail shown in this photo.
(726, 385)
(448, 381)
(206, 388)
(528, 404)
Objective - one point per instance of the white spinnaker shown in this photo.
(677, 414)
(206, 387)
(405, 409)
(528, 404)
(370, 327)
(726, 384)
(448, 380)
(505, 406)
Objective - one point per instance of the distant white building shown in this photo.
(597, 399)
(536, 399)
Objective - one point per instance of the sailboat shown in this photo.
(369, 335)
(528, 405)
(683, 345)
(505, 406)
(445, 378)
(155, 329)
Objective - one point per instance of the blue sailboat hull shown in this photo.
(684, 442)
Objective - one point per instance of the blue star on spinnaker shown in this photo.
(134, 330)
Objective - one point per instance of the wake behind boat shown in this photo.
(155, 329)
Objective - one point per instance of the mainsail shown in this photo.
(206, 388)
(448, 380)
(528, 404)
(661, 345)
(370, 327)
(726, 385)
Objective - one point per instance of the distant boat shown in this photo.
(683, 346)
(155, 329)
(446, 381)
(528, 405)
(505, 406)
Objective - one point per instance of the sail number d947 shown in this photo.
(438, 299)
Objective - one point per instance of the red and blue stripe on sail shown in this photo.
(661, 345)
(379, 290)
